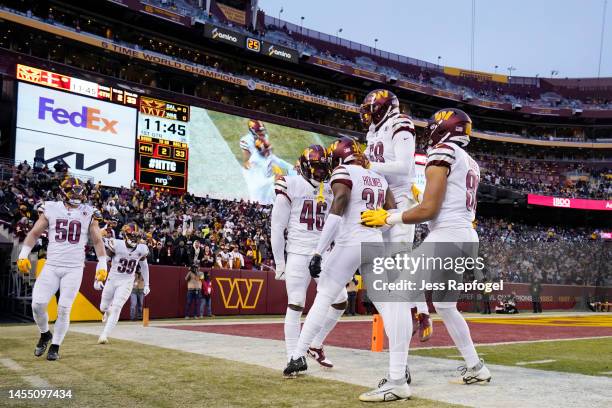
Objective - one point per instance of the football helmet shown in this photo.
(73, 191)
(131, 234)
(315, 164)
(345, 150)
(257, 128)
(448, 125)
(376, 106)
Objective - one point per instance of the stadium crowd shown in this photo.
(183, 230)
(179, 230)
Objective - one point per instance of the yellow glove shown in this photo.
(277, 170)
(24, 265)
(101, 275)
(416, 193)
(374, 218)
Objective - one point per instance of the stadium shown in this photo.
(222, 154)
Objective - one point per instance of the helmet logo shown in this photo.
(443, 115)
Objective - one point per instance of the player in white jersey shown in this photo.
(127, 255)
(449, 204)
(260, 165)
(355, 190)
(390, 150)
(301, 205)
(70, 223)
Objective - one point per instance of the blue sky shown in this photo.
(535, 36)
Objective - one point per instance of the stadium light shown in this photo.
(553, 73)
(510, 69)
(497, 66)
(439, 58)
(280, 12)
(301, 24)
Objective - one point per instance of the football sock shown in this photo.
(398, 327)
(61, 324)
(460, 333)
(111, 320)
(332, 317)
(39, 311)
(292, 330)
(313, 323)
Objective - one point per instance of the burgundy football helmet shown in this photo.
(448, 125)
(73, 191)
(344, 151)
(376, 106)
(257, 128)
(314, 163)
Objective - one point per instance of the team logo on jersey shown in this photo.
(240, 292)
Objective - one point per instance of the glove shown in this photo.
(374, 218)
(98, 285)
(101, 272)
(146, 290)
(315, 266)
(279, 273)
(24, 265)
(417, 194)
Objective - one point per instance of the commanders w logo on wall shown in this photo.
(240, 292)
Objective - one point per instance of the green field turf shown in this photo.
(287, 142)
(127, 374)
(590, 356)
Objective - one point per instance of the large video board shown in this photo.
(93, 137)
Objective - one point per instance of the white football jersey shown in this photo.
(368, 192)
(459, 206)
(68, 233)
(386, 141)
(307, 215)
(264, 162)
(125, 260)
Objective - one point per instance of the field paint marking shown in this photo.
(606, 373)
(512, 386)
(34, 380)
(524, 363)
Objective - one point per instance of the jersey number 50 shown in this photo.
(65, 230)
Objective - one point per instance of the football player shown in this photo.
(71, 223)
(390, 151)
(449, 205)
(355, 189)
(127, 254)
(260, 164)
(300, 207)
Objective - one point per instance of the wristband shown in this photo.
(25, 251)
(395, 218)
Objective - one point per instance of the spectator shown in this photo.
(137, 297)
(208, 258)
(236, 260)
(535, 294)
(180, 256)
(196, 254)
(156, 254)
(351, 289)
(206, 305)
(194, 288)
(223, 258)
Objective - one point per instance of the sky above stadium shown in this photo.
(534, 36)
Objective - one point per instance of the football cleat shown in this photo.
(294, 367)
(408, 376)
(318, 355)
(425, 326)
(43, 343)
(53, 353)
(102, 339)
(477, 374)
(387, 390)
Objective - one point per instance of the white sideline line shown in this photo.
(34, 380)
(505, 343)
(524, 363)
(606, 373)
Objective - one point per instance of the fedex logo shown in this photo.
(87, 118)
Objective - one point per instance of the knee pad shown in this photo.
(341, 299)
(340, 306)
(63, 311)
(296, 297)
(297, 308)
(39, 308)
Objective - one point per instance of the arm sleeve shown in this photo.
(144, 269)
(332, 224)
(403, 147)
(280, 219)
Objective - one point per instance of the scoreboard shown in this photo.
(161, 163)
